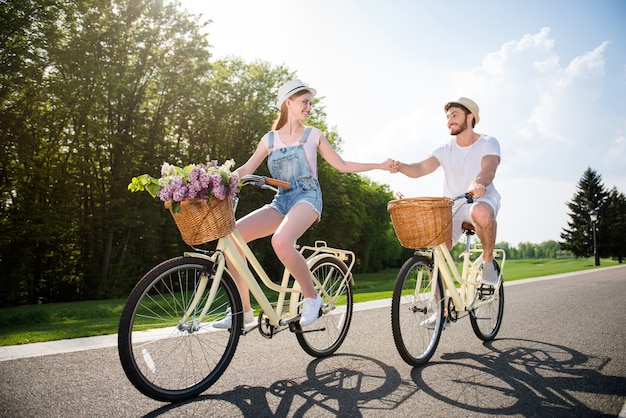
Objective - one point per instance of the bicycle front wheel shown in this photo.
(487, 318)
(324, 336)
(169, 355)
(417, 311)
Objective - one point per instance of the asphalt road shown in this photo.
(561, 352)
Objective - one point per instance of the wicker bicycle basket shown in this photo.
(202, 222)
(421, 222)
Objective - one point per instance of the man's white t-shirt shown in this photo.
(461, 165)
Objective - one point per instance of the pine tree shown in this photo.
(613, 226)
(591, 195)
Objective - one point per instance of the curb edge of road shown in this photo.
(15, 352)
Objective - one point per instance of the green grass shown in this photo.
(37, 323)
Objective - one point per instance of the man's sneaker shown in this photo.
(310, 310)
(489, 274)
(431, 321)
(226, 323)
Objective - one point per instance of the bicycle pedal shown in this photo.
(486, 290)
(290, 320)
(247, 330)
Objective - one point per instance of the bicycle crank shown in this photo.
(298, 330)
(265, 328)
(452, 313)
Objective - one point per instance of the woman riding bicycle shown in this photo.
(291, 150)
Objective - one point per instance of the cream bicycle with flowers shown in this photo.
(167, 345)
(426, 297)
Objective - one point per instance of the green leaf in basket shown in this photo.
(145, 182)
(153, 188)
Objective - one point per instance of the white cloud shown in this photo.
(588, 65)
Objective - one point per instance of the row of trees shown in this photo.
(94, 93)
(547, 249)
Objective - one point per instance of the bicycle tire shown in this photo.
(324, 336)
(416, 299)
(167, 359)
(487, 319)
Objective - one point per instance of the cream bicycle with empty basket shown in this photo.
(426, 296)
(167, 345)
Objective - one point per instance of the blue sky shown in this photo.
(549, 77)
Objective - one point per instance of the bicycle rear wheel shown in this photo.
(486, 319)
(165, 357)
(417, 311)
(324, 336)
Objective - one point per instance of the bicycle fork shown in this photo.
(218, 268)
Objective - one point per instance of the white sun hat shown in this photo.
(469, 104)
(289, 89)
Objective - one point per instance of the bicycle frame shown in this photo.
(463, 299)
(227, 247)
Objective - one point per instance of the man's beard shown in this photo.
(462, 127)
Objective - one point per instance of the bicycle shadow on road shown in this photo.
(331, 388)
(533, 378)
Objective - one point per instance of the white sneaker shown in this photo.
(431, 321)
(489, 274)
(310, 310)
(226, 323)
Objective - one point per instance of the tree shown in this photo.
(613, 225)
(32, 185)
(591, 195)
(92, 93)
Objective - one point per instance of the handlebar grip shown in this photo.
(277, 183)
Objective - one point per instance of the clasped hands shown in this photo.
(393, 166)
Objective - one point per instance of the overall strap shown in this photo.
(305, 135)
(270, 142)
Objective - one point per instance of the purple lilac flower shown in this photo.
(205, 180)
(195, 183)
(233, 186)
(180, 194)
(179, 189)
(219, 192)
(165, 193)
(214, 182)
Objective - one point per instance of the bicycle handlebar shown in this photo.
(264, 182)
(468, 196)
(278, 183)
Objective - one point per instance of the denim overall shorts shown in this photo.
(290, 164)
